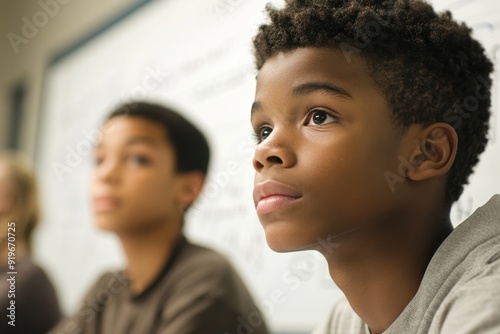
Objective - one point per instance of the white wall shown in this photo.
(70, 22)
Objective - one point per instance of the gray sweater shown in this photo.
(460, 291)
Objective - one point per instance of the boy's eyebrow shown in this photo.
(139, 140)
(326, 87)
(255, 107)
(307, 88)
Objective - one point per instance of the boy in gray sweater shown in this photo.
(369, 117)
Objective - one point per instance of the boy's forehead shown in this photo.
(290, 80)
(131, 130)
(296, 67)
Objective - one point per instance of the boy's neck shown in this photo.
(380, 271)
(148, 252)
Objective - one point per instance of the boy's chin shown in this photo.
(285, 237)
(287, 241)
(109, 222)
(107, 225)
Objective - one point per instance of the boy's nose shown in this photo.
(108, 172)
(273, 152)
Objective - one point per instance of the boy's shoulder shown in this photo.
(195, 259)
(342, 319)
(474, 307)
(191, 265)
(473, 302)
(460, 291)
(461, 280)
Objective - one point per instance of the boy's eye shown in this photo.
(320, 117)
(98, 160)
(262, 133)
(139, 160)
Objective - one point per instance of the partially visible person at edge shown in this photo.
(27, 298)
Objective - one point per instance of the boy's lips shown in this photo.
(270, 195)
(105, 203)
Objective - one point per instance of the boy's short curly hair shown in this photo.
(427, 65)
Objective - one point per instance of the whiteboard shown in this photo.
(199, 54)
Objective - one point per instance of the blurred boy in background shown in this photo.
(150, 166)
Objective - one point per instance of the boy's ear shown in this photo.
(434, 152)
(190, 188)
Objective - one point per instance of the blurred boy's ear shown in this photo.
(191, 185)
(434, 152)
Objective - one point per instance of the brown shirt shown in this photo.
(197, 292)
(36, 308)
